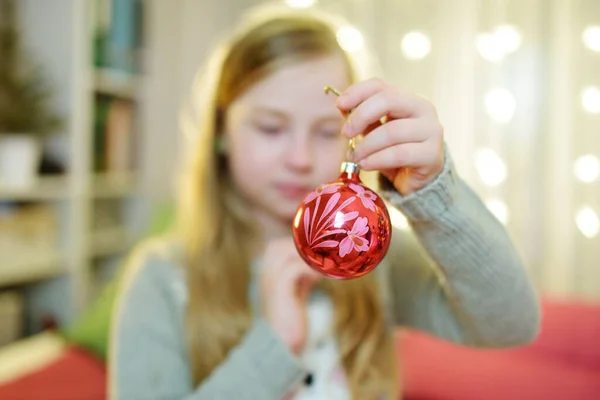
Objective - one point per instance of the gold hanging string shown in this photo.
(352, 142)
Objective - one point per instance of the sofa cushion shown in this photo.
(562, 363)
(570, 333)
(75, 375)
(92, 330)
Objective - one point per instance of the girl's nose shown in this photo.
(299, 153)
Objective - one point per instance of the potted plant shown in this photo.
(26, 115)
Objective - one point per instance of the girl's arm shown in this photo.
(460, 277)
(149, 357)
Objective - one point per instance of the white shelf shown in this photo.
(104, 185)
(113, 185)
(109, 241)
(46, 188)
(30, 268)
(116, 83)
(79, 209)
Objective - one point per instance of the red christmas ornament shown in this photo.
(343, 229)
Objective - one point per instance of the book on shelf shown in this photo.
(118, 33)
(114, 136)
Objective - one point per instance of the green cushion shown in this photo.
(92, 329)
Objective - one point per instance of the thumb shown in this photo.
(305, 285)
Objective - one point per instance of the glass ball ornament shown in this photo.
(343, 229)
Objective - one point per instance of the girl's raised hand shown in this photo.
(408, 147)
(285, 285)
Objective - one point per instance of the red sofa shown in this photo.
(562, 364)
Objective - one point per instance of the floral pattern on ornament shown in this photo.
(317, 232)
(323, 189)
(355, 239)
(366, 196)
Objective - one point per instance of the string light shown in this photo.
(591, 38)
(300, 3)
(587, 168)
(490, 166)
(500, 105)
(415, 45)
(488, 47)
(493, 47)
(587, 222)
(397, 218)
(508, 37)
(350, 39)
(590, 99)
(499, 209)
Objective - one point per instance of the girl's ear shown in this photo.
(221, 144)
(220, 141)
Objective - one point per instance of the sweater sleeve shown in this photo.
(149, 357)
(458, 276)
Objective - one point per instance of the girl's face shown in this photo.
(283, 136)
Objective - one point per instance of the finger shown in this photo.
(277, 248)
(406, 155)
(392, 133)
(301, 270)
(371, 111)
(280, 249)
(390, 104)
(307, 281)
(311, 275)
(359, 92)
(298, 267)
(302, 288)
(371, 127)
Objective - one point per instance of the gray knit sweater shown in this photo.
(455, 274)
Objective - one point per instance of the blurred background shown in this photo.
(89, 139)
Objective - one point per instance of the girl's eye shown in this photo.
(270, 129)
(329, 133)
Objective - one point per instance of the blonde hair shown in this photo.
(215, 227)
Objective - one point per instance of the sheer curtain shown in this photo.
(517, 87)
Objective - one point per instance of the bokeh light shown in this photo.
(591, 38)
(300, 3)
(350, 39)
(587, 222)
(493, 47)
(508, 38)
(397, 218)
(490, 167)
(499, 209)
(500, 104)
(590, 99)
(587, 168)
(415, 45)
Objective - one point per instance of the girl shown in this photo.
(226, 309)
